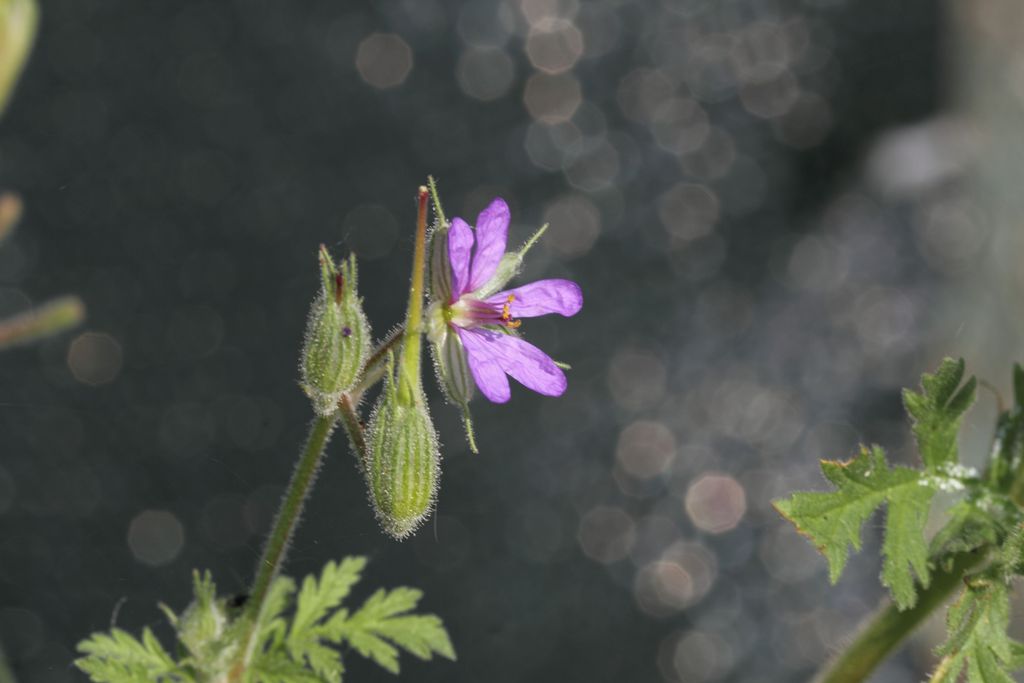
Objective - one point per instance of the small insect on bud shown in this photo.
(403, 466)
(337, 336)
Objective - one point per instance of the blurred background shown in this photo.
(780, 214)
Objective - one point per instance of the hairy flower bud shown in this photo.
(201, 626)
(403, 464)
(337, 336)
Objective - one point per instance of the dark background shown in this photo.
(756, 293)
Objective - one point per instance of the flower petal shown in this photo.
(483, 365)
(530, 366)
(523, 361)
(491, 238)
(542, 297)
(460, 247)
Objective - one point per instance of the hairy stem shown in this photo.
(353, 428)
(888, 626)
(373, 371)
(409, 363)
(281, 533)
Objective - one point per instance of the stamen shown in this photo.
(506, 313)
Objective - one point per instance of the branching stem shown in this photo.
(888, 626)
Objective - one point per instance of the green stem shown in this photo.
(291, 509)
(281, 533)
(373, 371)
(409, 364)
(887, 628)
(353, 428)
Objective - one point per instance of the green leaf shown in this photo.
(969, 528)
(833, 520)
(279, 668)
(272, 625)
(977, 625)
(316, 601)
(936, 412)
(118, 657)
(383, 622)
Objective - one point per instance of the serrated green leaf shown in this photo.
(936, 412)
(117, 657)
(318, 598)
(383, 622)
(977, 625)
(833, 520)
(968, 529)
(279, 668)
(272, 625)
(315, 602)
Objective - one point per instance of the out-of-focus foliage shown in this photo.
(17, 31)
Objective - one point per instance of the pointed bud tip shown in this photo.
(339, 288)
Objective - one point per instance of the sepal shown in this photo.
(337, 336)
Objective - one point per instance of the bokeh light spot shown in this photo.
(575, 225)
(688, 211)
(552, 99)
(606, 534)
(554, 46)
(636, 378)
(155, 537)
(716, 503)
(384, 60)
(94, 358)
(645, 448)
(485, 73)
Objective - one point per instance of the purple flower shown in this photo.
(475, 327)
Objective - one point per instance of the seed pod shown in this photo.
(404, 460)
(337, 336)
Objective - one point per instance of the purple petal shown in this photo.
(486, 370)
(491, 238)
(460, 246)
(542, 297)
(523, 361)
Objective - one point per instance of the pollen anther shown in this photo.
(506, 313)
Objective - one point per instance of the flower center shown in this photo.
(468, 313)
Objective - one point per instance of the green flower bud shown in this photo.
(202, 626)
(337, 336)
(18, 20)
(404, 459)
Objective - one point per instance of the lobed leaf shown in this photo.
(936, 412)
(833, 520)
(316, 601)
(977, 640)
(118, 657)
(383, 623)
